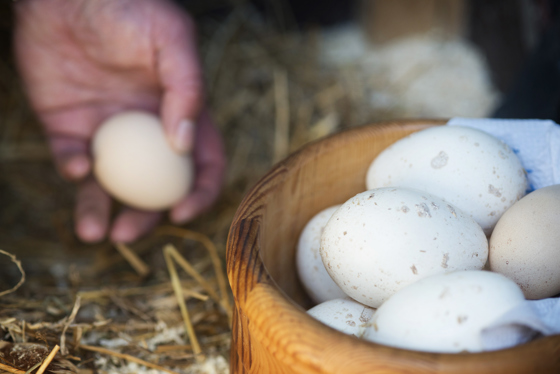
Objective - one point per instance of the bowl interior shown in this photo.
(323, 174)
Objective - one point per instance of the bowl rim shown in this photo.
(250, 281)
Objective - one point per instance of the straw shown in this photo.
(48, 360)
(213, 252)
(20, 268)
(282, 122)
(126, 357)
(71, 318)
(181, 300)
(140, 266)
(11, 369)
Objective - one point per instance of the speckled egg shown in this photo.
(381, 240)
(444, 313)
(466, 167)
(525, 245)
(345, 315)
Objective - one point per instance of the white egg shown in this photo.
(135, 163)
(444, 313)
(525, 245)
(381, 240)
(345, 315)
(466, 167)
(312, 273)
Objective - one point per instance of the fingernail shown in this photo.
(184, 136)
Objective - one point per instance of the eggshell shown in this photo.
(311, 271)
(525, 245)
(345, 315)
(135, 163)
(384, 239)
(444, 313)
(468, 168)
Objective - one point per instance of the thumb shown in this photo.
(181, 78)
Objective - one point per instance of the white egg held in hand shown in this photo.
(444, 313)
(345, 315)
(134, 162)
(381, 240)
(312, 273)
(525, 245)
(466, 167)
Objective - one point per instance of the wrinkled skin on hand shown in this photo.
(82, 61)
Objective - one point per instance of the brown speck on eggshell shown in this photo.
(494, 191)
(422, 210)
(444, 260)
(440, 160)
(452, 210)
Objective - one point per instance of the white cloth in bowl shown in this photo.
(536, 143)
(529, 320)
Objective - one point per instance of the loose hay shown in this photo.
(20, 268)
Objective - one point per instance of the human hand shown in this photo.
(83, 61)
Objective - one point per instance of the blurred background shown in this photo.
(279, 74)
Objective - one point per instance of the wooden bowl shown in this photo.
(271, 331)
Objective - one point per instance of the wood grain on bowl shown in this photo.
(271, 331)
